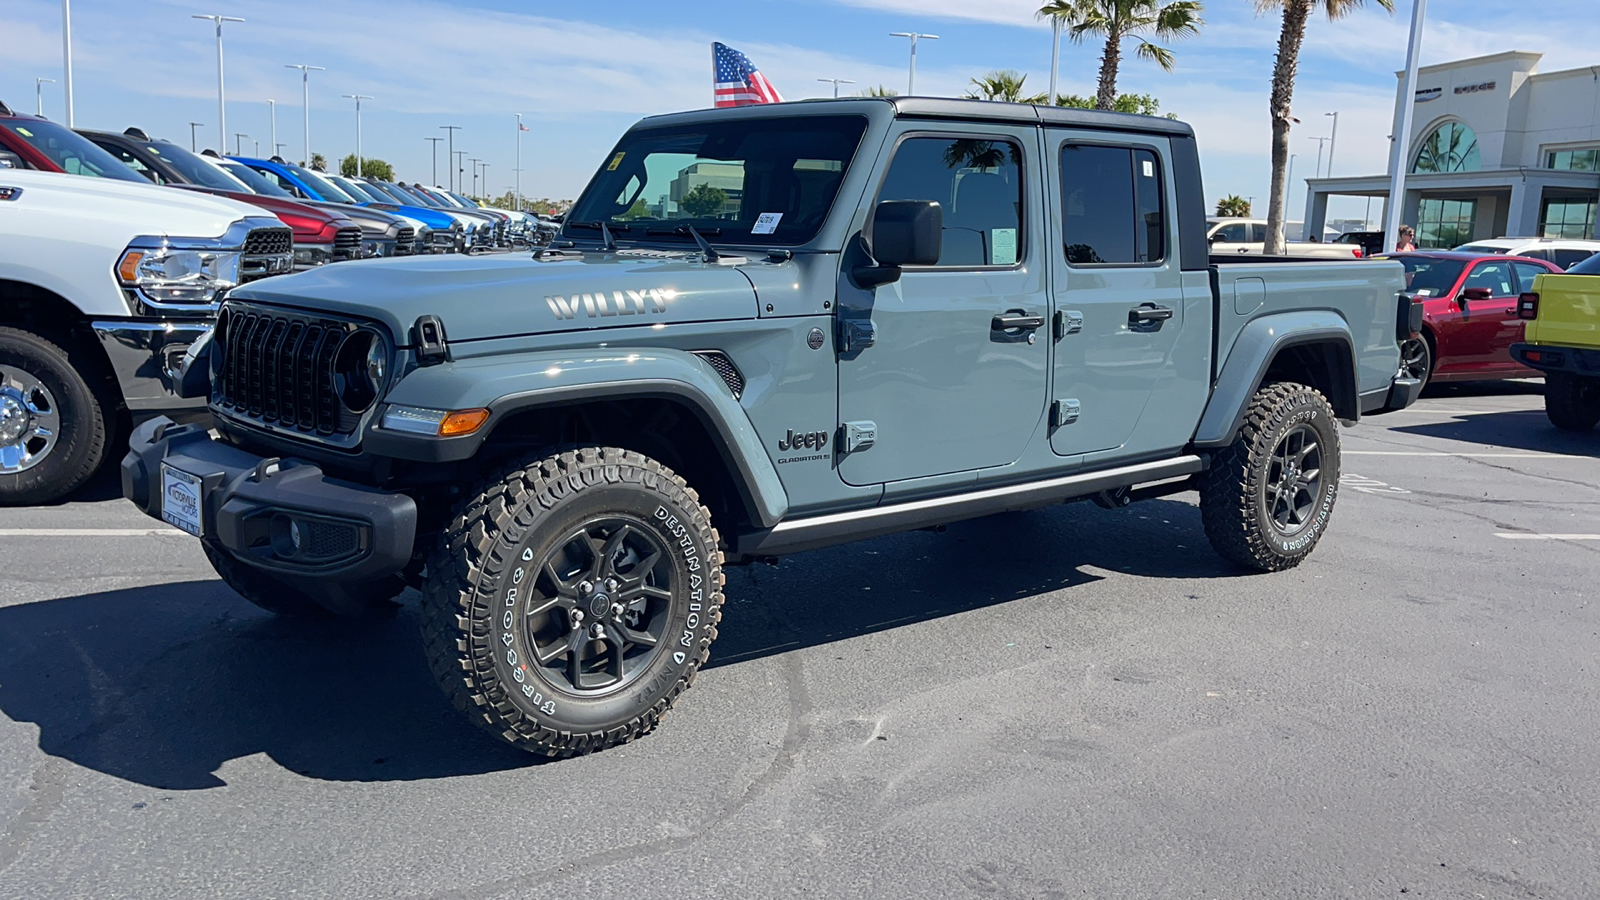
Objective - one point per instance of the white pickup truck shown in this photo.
(1249, 236)
(103, 286)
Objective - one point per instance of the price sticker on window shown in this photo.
(1003, 247)
(766, 223)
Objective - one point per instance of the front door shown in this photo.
(949, 363)
(1118, 283)
(1475, 336)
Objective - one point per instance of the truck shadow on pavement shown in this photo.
(163, 685)
(1521, 429)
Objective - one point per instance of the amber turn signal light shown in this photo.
(128, 268)
(464, 421)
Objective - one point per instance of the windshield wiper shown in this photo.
(686, 231)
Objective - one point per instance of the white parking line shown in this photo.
(1534, 455)
(1526, 536)
(88, 532)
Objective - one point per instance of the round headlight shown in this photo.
(359, 370)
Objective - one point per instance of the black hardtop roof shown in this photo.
(946, 108)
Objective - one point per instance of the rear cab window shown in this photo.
(1113, 206)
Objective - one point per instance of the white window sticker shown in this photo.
(1003, 247)
(767, 223)
(1149, 169)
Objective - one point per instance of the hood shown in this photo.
(374, 223)
(481, 297)
(433, 218)
(308, 222)
(124, 207)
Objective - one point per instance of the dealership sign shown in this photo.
(1426, 94)
(1475, 88)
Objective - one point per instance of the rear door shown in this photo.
(1117, 284)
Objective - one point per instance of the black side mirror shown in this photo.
(1474, 294)
(904, 233)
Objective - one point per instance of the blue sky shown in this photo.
(582, 72)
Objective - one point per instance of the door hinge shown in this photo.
(1068, 321)
(856, 335)
(858, 435)
(1063, 412)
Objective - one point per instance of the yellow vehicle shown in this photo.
(1562, 339)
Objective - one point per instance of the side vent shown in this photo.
(730, 373)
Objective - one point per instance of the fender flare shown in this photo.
(1259, 343)
(525, 381)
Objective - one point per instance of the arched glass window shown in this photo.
(1452, 147)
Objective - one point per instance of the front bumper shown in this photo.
(1583, 361)
(280, 515)
(145, 355)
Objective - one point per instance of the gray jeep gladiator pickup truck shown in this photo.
(761, 331)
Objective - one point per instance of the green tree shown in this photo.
(1290, 37)
(879, 91)
(1117, 20)
(1233, 206)
(704, 200)
(371, 168)
(1138, 104)
(319, 162)
(638, 210)
(1005, 85)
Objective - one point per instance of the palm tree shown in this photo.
(1233, 206)
(1295, 14)
(1004, 85)
(879, 91)
(1119, 19)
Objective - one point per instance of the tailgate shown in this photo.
(1569, 311)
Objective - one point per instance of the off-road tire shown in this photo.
(282, 598)
(1234, 492)
(87, 409)
(1571, 402)
(480, 653)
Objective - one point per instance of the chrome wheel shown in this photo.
(598, 609)
(1294, 480)
(30, 421)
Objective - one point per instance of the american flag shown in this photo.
(738, 83)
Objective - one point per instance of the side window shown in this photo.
(1112, 211)
(1258, 233)
(132, 162)
(1566, 259)
(1535, 254)
(1232, 233)
(1526, 273)
(1496, 276)
(979, 185)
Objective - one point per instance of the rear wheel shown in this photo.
(1571, 401)
(56, 426)
(1416, 359)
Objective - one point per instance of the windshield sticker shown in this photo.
(616, 161)
(766, 223)
(24, 132)
(1003, 242)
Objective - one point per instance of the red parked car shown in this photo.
(1469, 314)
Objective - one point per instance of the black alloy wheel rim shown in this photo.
(1414, 359)
(600, 604)
(1294, 480)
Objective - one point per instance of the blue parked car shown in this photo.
(314, 186)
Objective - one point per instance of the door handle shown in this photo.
(1146, 313)
(1008, 321)
(1512, 312)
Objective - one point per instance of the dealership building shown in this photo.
(1497, 149)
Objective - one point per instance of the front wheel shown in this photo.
(573, 599)
(56, 418)
(1571, 402)
(1267, 498)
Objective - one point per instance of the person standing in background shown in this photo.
(1408, 239)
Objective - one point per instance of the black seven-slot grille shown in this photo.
(347, 242)
(408, 236)
(278, 369)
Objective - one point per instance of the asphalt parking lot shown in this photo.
(1069, 702)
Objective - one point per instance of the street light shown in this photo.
(1402, 143)
(1288, 186)
(66, 56)
(435, 142)
(1321, 142)
(222, 113)
(836, 82)
(457, 155)
(193, 144)
(38, 92)
(1332, 140)
(474, 161)
(277, 150)
(305, 104)
(358, 98)
(911, 80)
(272, 116)
(452, 129)
(520, 129)
(237, 137)
(484, 168)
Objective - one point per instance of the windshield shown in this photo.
(1430, 276)
(394, 194)
(769, 181)
(1590, 266)
(465, 203)
(254, 180)
(74, 153)
(423, 197)
(354, 189)
(324, 188)
(194, 169)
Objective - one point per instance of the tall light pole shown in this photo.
(222, 112)
(238, 137)
(836, 82)
(518, 169)
(1402, 138)
(911, 79)
(435, 142)
(305, 104)
(277, 150)
(38, 92)
(272, 116)
(452, 129)
(193, 144)
(474, 160)
(358, 98)
(1288, 187)
(66, 56)
(484, 168)
(1055, 58)
(1332, 140)
(457, 156)
(1321, 142)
